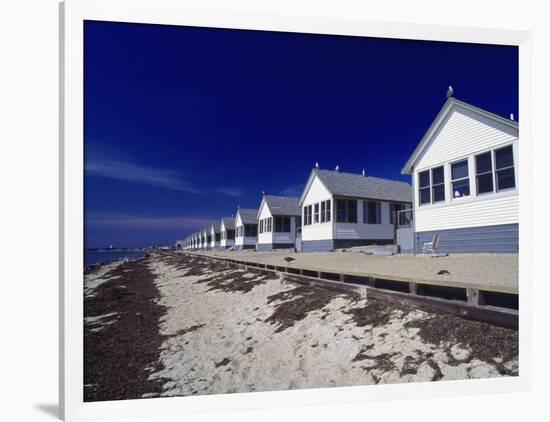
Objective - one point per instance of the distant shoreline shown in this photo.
(95, 258)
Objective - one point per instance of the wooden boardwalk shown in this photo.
(494, 305)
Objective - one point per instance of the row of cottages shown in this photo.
(464, 189)
(464, 177)
(342, 210)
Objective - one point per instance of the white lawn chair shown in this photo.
(431, 246)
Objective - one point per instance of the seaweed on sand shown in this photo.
(375, 313)
(119, 358)
(486, 342)
(231, 280)
(297, 303)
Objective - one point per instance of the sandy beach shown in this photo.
(178, 325)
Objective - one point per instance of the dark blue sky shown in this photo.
(183, 124)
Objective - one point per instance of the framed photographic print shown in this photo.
(268, 210)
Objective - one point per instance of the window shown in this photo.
(424, 187)
(325, 211)
(307, 215)
(431, 186)
(484, 172)
(230, 234)
(394, 211)
(286, 225)
(371, 212)
(460, 182)
(217, 238)
(270, 224)
(316, 213)
(346, 211)
(282, 224)
(250, 230)
(504, 168)
(438, 184)
(261, 227)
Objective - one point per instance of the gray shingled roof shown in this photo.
(229, 223)
(283, 205)
(358, 186)
(248, 215)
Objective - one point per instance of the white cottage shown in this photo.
(227, 232)
(341, 210)
(246, 229)
(465, 181)
(215, 236)
(279, 218)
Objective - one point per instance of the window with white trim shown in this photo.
(424, 196)
(431, 186)
(484, 172)
(505, 176)
(346, 211)
(460, 181)
(372, 212)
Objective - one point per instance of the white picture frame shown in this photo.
(72, 15)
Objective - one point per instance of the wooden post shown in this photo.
(372, 281)
(412, 288)
(473, 296)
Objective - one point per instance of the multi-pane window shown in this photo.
(438, 184)
(484, 172)
(250, 230)
(325, 216)
(286, 225)
(230, 234)
(424, 187)
(504, 168)
(431, 185)
(460, 182)
(307, 215)
(371, 212)
(394, 211)
(346, 211)
(316, 213)
(282, 224)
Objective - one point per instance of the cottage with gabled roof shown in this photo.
(342, 210)
(227, 232)
(246, 229)
(205, 235)
(465, 181)
(279, 219)
(215, 235)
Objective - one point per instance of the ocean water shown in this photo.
(95, 257)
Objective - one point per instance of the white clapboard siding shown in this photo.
(266, 237)
(360, 230)
(489, 212)
(317, 193)
(462, 133)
